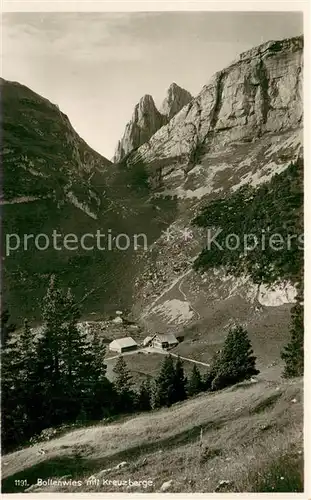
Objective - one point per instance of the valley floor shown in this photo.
(252, 440)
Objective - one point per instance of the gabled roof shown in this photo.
(124, 342)
(167, 337)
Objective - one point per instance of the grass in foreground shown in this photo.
(252, 440)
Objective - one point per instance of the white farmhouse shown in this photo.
(123, 345)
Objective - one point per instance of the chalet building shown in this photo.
(164, 340)
(123, 345)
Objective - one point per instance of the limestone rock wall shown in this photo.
(147, 119)
(259, 93)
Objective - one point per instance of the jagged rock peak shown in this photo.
(145, 121)
(144, 106)
(176, 98)
(259, 93)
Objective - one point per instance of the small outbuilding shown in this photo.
(123, 345)
(164, 341)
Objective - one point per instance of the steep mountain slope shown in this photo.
(51, 160)
(53, 181)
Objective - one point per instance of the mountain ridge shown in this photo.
(147, 119)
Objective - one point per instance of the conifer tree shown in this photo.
(195, 384)
(123, 386)
(235, 362)
(11, 431)
(17, 387)
(293, 352)
(164, 395)
(100, 397)
(211, 372)
(144, 396)
(6, 328)
(51, 387)
(25, 359)
(75, 370)
(180, 382)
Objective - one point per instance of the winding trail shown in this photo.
(154, 350)
(149, 309)
(185, 359)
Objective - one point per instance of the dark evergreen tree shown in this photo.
(17, 387)
(6, 328)
(25, 359)
(76, 371)
(211, 372)
(144, 396)
(164, 392)
(57, 378)
(180, 382)
(293, 352)
(235, 362)
(11, 431)
(70, 365)
(123, 386)
(195, 384)
(51, 389)
(100, 397)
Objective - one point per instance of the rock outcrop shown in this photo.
(259, 93)
(43, 155)
(145, 121)
(175, 100)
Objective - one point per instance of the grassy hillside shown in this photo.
(252, 438)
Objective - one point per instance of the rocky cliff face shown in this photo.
(260, 93)
(146, 119)
(44, 156)
(244, 127)
(175, 100)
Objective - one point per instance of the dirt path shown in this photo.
(158, 351)
(154, 350)
(174, 283)
(186, 298)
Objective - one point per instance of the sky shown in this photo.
(96, 66)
